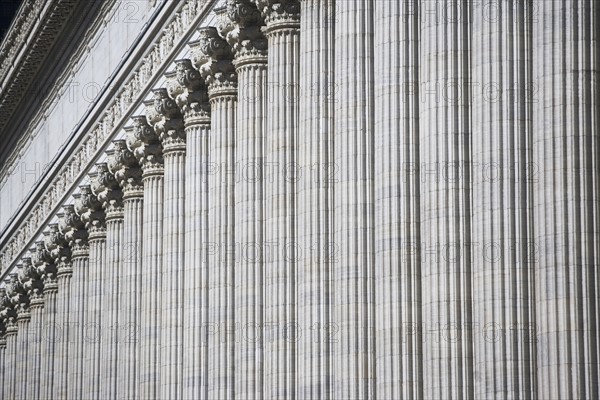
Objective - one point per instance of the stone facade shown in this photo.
(304, 199)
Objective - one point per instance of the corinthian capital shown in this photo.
(8, 315)
(190, 93)
(213, 56)
(45, 266)
(144, 144)
(280, 14)
(18, 296)
(74, 231)
(123, 164)
(32, 282)
(166, 118)
(58, 249)
(244, 33)
(106, 188)
(90, 211)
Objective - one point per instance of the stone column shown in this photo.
(567, 205)
(242, 30)
(129, 176)
(107, 190)
(354, 269)
(60, 252)
(146, 148)
(214, 62)
(92, 215)
(397, 201)
(48, 273)
(32, 338)
(190, 93)
(2, 349)
(444, 74)
(168, 125)
(282, 20)
(18, 295)
(9, 317)
(74, 231)
(316, 176)
(503, 269)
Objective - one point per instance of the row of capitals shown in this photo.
(240, 39)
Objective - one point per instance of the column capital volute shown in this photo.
(124, 166)
(59, 250)
(8, 314)
(32, 283)
(74, 231)
(167, 121)
(213, 57)
(241, 26)
(144, 143)
(279, 14)
(108, 191)
(189, 91)
(18, 294)
(45, 266)
(90, 211)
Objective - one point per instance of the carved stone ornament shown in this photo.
(143, 142)
(18, 295)
(58, 249)
(73, 229)
(245, 35)
(124, 166)
(89, 209)
(212, 56)
(167, 121)
(32, 283)
(45, 266)
(279, 14)
(106, 188)
(189, 91)
(8, 314)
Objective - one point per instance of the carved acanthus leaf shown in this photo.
(74, 231)
(246, 37)
(212, 56)
(279, 14)
(106, 188)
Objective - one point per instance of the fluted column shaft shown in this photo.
(249, 208)
(315, 200)
(129, 289)
(109, 331)
(503, 285)
(49, 339)
(3, 370)
(34, 342)
(24, 347)
(195, 358)
(75, 327)
(221, 340)
(567, 204)
(10, 361)
(63, 348)
(353, 273)
(172, 275)
(397, 212)
(94, 326)
(446, 202)
(281, 161)
(152, 244)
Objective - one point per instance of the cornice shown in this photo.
(170, 38)
(8, 165)
(27, 44)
